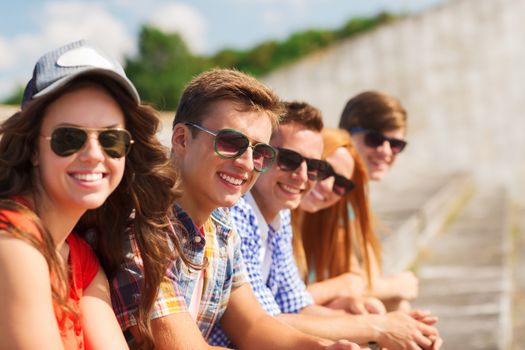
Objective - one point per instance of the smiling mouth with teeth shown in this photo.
(291, 189)
(88, 177)
(231, 180)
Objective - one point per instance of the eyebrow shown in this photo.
(86, 127)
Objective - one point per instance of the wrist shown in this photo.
(377, 327)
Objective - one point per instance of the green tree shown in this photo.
(15, 98)
(162, 67)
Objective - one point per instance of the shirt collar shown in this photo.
(221, 217)
(276, 222)
(194, 234)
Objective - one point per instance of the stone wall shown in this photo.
(458, 68)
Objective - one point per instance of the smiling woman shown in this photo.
(74, 147)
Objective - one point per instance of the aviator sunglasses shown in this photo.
(229, 143)
(66, 140)
(375, 139)
(342, 185)
(289, 160)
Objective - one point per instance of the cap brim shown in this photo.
(124, 82)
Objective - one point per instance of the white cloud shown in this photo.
(72, 20)
(182, 19)
(62, 22)
(300, 3)
(7, 58)
(272, 18)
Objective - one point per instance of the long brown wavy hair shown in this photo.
(141, 204)
(323, 240)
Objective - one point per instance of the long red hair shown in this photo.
(323, 240)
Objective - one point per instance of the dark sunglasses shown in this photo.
(342, 185)
(229, 143)
(289, 160)
(375, 139)
(66, 140)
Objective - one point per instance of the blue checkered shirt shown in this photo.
(284, 291)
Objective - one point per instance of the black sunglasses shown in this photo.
(342, 185)
(289, 160)
(229, 143)
(375, 139)
(66, 140)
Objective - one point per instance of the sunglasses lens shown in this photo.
(324, 171)
(116, 143)
(263, 156)
(314, 166)
(374, 139)
(397, 145)
(66, 141)
(288, 160)
(342, 185)
(230, 144)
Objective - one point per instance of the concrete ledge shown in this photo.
(402, 245)
(465, 274)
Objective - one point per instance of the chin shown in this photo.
(230, 201)
(377, 175)
(309, 208)
(92, 202)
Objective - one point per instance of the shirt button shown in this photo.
(197, 239)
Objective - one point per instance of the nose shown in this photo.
(327, 184)
(385, 148)
(92, 151)
(245, 160)
(301, 173)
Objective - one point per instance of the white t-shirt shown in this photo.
(266, 254)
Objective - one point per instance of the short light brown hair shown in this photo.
(304, 114)
(373, 110)
(226, 84)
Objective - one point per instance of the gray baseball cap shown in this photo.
(61, 65)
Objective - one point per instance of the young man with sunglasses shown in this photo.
(262, 219)
(219, 146)
(377, 123)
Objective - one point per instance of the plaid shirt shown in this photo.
(284, 291)
(223, 272)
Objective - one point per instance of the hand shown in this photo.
(352, 284)
(400, 331)
(353, 305)
(343, 345)
(375, 306)
(437, 342)
(358, 305)
(406, 284)
(424, 316)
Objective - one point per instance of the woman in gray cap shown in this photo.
(81, 144)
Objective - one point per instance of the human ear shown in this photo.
(179, 139)
(34, 158)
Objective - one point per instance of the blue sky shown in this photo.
(28, 28)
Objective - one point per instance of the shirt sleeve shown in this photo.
(290, 291)
(248, 229)
(126, 293)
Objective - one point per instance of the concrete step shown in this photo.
(518, 295)
(410, 212)
(465, 275)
